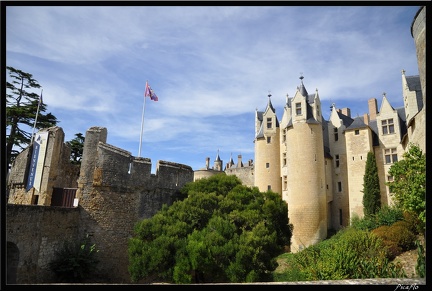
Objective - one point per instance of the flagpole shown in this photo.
(37, 113)
(142, 121)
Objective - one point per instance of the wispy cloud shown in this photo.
(211, 67)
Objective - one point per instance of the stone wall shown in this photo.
(63, 174)
(33, 234)
(245, 174)
(115, 191)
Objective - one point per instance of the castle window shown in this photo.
(284, 159)
(339, 186)
(337, 161)
(284, 135)
(390, 156)
(285, 183)
(318, 110)
(340, 216)
(357, 132)
(269, 139)
(268, 187)
(298, 109)
(267, 165)
(336, 136)
(389, 178)
(269, 122)
(387, 126)
(412, 125)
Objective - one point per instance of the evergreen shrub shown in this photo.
(350, 254)
(75, 262)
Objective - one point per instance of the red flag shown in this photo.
(150, 93)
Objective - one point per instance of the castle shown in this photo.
(316, 165)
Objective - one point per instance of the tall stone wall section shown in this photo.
(116, 190)
(358, 146)
(307, 205)
(33, 234)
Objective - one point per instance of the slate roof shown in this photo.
(414, 84)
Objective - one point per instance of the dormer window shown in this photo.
(336, 136)
(269, 122)
(298, 108)
(387, 126)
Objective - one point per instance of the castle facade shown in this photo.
(318, 165)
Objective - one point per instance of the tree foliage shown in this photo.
(222, 232)
(409, 182)
(21, 109)
(371, 187)
(77, 146)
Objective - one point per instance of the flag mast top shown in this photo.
(147, 93)
(37, 113)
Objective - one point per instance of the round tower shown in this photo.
(418, 32)
(267, 150)
(306, 194)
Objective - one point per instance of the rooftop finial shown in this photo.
(384, 94)
(301, 77)
(269, 95)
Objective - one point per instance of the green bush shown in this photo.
(388, 215)
(350, 254)
(292, 272)
(75, 261)
(385, 216)
(366, 223)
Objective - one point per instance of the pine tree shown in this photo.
(77, 147)
(21, 109)
(371, 187)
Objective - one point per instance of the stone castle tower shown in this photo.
(289, 159)
(267, 140)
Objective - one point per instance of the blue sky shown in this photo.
(211, 67)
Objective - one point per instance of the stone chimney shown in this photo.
(346, 111)
(366, 119)
(373, 108)
(239, 161)
(207, 163)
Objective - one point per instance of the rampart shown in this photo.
(115, 191)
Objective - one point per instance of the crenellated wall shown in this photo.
(115, 191)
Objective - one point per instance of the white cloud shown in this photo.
(210, 66)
